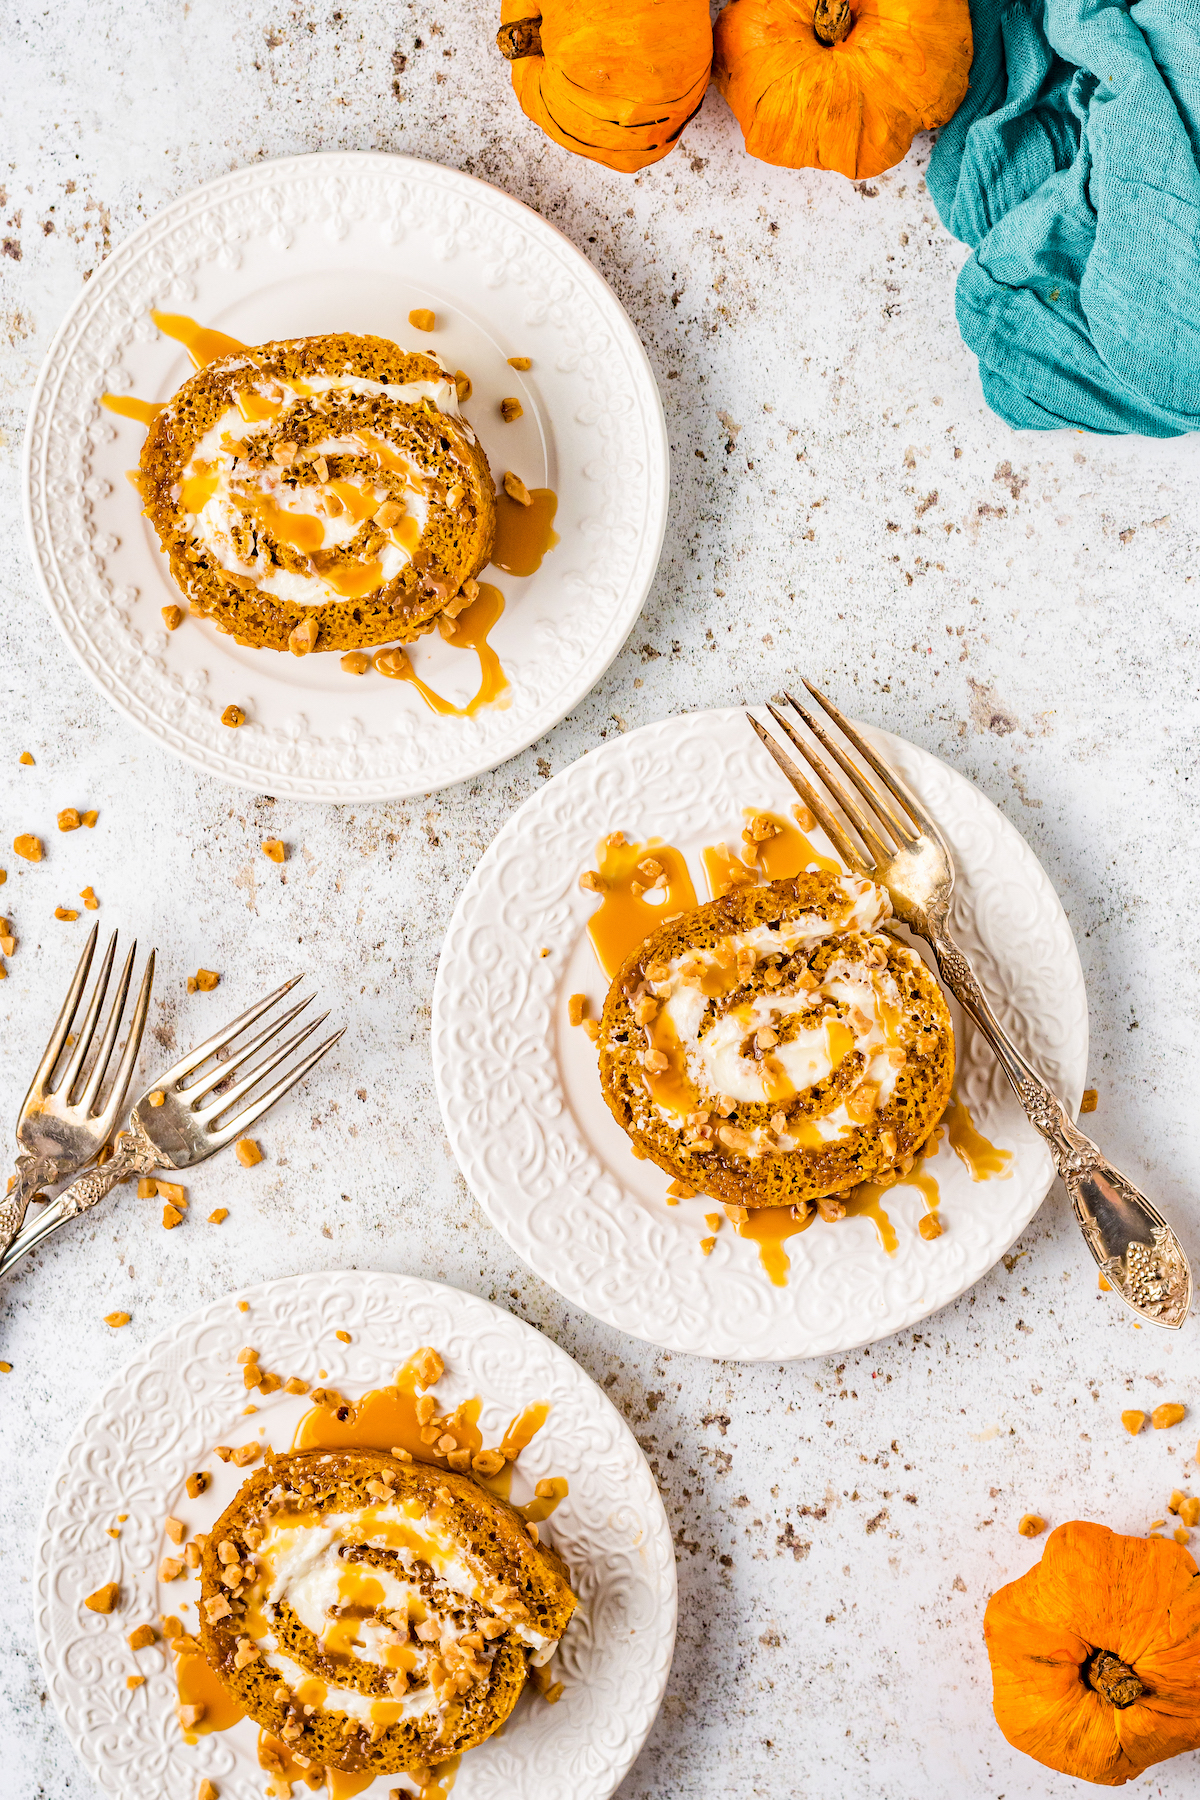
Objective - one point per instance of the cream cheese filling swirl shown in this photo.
(397, 1606)
(745, 1038)
(336, 516)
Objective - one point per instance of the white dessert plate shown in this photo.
(521, 1096)
(159, 1420)
(352, 241)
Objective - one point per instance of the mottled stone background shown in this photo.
(843, 503)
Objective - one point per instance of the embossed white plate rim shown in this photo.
(492, 737)
(589, 1235)
(601, 1734)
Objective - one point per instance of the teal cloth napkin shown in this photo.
(1072, 168)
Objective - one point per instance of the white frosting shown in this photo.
(715, 1059)
(215, 524)
(298, 1562)
(413, 1703)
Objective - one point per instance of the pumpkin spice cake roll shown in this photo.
(774, 1047)
(321, 493)
(374, 1614)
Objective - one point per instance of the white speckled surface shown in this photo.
(1025, 608)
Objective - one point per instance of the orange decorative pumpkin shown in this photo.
(841, 84)
(1096, 1654)
(613, 80)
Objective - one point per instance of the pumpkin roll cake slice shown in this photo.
(775, 1047)
(321, 493)
(376, 1615)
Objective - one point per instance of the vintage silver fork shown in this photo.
(1138, 1253)
(60, 1130)
(174, 1126)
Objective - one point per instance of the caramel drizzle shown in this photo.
(524, 534)
(469, 631)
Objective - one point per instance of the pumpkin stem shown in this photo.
(1114, 1680)
(521, 37)
(832, 21)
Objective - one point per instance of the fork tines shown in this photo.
(71, 1076)
(224, 1056)
(894, 814)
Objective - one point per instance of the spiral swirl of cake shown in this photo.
(775, 1047)
(376, 1614)
(320, 493)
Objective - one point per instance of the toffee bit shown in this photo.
(516, 490)
(421, 319)
(510, 411)
(233, 716)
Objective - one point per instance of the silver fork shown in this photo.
(174, 1126)
(59, 1128)
(1138, 1253)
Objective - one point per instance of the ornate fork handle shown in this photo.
(33, 1172)
(1136, 1250)
(134, 1155)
